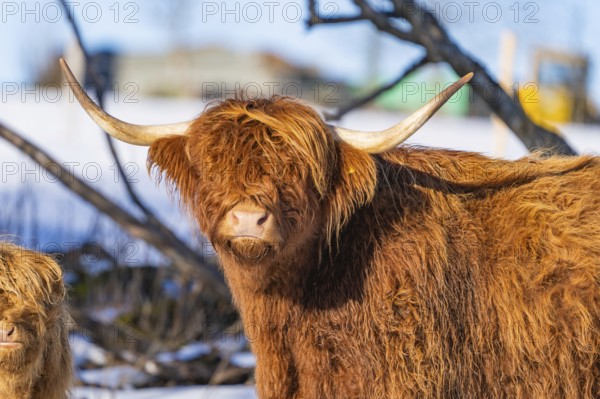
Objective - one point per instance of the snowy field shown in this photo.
(58, 217)
(234, 392)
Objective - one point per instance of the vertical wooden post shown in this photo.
(508, 46)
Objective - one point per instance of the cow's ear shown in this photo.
(353, 185)
(168, 160)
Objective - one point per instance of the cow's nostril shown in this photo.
(249, 218)
(263, 219)
(10, 331)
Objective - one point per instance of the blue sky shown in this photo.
(31, 31)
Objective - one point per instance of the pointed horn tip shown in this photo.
(65, 68)
(466, 78)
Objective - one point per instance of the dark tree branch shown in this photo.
(359, 102)
(181, 256)
(383, 23)
(428, 33)
(99, 86)
(436, 41)
(316, 19)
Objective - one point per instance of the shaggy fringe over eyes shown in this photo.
(282, 123)
(29, 275)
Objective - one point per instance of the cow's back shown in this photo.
(495, 282)
(544, 282)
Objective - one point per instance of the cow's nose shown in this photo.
(249, 222)
(249, 218)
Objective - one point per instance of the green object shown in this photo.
(415, 90)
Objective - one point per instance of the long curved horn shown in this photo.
(378, 142)
(127, 132)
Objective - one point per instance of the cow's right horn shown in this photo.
(127, 132)
(385, 140)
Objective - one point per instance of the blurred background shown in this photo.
(147, 318)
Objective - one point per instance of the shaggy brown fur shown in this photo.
(419, 273)
(33, 314)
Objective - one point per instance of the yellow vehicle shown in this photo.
(558, 92)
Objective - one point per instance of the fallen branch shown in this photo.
(100, 87)
(151, 220)
(180, 255)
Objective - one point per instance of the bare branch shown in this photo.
(316, 19)
(382, 23)
(181, 256)
(428, 33)
(359, 102)
(100, 87)
(435, 39)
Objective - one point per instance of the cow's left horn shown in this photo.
(127, 132)
(378, 142)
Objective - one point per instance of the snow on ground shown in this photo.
(125, 377)
(227, 392)
(186, 353)
(115, 377)
(85, 351)
(243, 359)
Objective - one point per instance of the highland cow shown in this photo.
(362, 270)
(35, 357)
